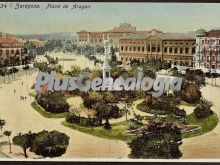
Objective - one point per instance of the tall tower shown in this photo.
(106, 67)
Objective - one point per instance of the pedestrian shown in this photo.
(14, 91)
(22, 83)
(25, 97)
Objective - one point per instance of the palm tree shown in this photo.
(8, 134)
(2, 123)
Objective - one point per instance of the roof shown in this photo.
(83, 31)
(9, 40)
(213, 33)
(163, 36)
(200, 32)
(176, 36)
(119, 31)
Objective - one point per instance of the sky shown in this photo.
(167, 17)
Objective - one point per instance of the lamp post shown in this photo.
(127, 106)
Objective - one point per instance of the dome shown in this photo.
(200, 33)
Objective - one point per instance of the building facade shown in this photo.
(11, 47)
(207, 56)
(176, 48)
(113, 35)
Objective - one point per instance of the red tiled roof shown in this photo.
(213, 33)
(8, 40)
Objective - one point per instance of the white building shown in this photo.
(207, 56)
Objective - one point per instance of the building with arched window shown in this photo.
(11, 47)
(176, 48)
(207, 56)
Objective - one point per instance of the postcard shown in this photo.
(109, 81)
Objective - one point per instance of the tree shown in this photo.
(162, 140)
(106, 111)
(2, 123)
(8, 134)
(75, 71)
(53, 102)
(24, 141)
(203, 109)
(112, 53)
(49, 144)
(191, 93)
(91, 98)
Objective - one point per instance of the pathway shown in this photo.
(20, 117)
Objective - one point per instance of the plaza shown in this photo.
(21, 117)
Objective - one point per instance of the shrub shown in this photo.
(49, 144)
(161, 141)
(91, 98)
(191, 94)
(53, 102)
(89, 122)
(203, 109)
(133, 125)
(163, 105)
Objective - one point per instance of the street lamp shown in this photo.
(127, 105)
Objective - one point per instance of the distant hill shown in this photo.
(49, 36)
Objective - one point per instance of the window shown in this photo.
(7, 51)
(187, 50)
(193, 50)
(213, 58)
(158, 48)
(187, 43)
(148, 47)
(170, 43)
(130, 48)
(126, 48)
(134, 49)
(181, 50)
(165, 49)
(139, 48)
(207, 58)
(153, 48)
(12, 51)
(142, 49)
(122, 48)
(170, 50)
(175, 51)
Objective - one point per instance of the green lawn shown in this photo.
(32, 94)
(117, 131)
(207, 124)
(47, 114)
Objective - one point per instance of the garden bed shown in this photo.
(46, 114)
(207, 124)
(116, 133)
